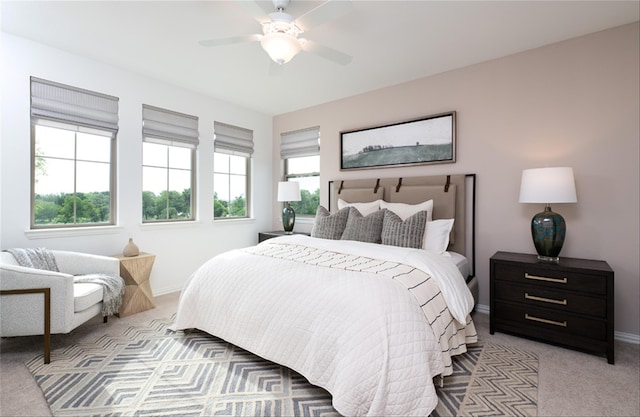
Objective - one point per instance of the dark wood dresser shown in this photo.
(569, 303)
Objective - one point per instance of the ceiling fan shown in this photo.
(280, 37)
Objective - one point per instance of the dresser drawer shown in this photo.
(540, 296)
(531, 317)
(550, 278)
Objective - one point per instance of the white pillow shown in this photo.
(436, 235)
(404, 211)
(364, 208)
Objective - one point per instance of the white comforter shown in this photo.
(361, 336)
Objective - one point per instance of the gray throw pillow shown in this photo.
(406, 234)
(363, 228)
(329, 226)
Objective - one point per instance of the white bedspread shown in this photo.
(362, 336)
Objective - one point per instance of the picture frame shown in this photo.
(428, 140)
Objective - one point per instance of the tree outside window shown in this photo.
(166, 182)
(230, 184)
(305, 170)
(72, 177)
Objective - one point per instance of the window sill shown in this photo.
(72, 231)
(169, 225)
(231, 220)
(299, 220)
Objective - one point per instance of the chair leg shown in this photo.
(104, 319)
(47, 315)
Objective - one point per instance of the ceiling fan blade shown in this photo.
(326, 52)
(329, 10)
(230, 41)
(255, 10)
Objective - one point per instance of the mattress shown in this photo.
(461, 262)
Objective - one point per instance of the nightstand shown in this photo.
(262, 236)
(569, 303)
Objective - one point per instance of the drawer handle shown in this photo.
(537, 278)
(555, 323)
(545, 300)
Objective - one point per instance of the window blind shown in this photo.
(169, 127)
(304, 142)
(232, 140)
(59, 105)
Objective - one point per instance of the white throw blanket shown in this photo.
(38, 258)
(112, 290)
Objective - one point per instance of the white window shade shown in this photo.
(232, 140)
(64, 106)
(169, 127)
(304, 142)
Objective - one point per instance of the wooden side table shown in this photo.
(135, 270)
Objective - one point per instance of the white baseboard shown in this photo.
(627, 337)
(621, 336)
(482, 309)
(166, 291)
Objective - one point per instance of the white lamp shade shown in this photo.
(548, 185)
(289, 191)
(281, 47)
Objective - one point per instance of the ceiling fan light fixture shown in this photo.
(281, 47)
(280, 38)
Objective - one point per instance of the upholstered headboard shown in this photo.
(453, 197)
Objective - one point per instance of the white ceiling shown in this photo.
(391, 41)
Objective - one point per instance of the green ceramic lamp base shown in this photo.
(548, 230)
(288, 219)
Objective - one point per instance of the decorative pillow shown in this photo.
(330, 226)
(408, 233)
(363, 228)
(364, 208)
(404, 210)
(436, 236)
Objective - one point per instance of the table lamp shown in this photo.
(548, 185)
(288, 191)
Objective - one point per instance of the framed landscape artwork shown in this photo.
(429, 140)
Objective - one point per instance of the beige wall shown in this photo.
(574, 103)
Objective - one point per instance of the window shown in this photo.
(301, 153)
(305, 170)
(73, 153)
(170, 140)
(230, 185)
(233, 147)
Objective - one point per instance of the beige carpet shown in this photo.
(569, 383)
(150, 370)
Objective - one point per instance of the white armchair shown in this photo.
(71, 303)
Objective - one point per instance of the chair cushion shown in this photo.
(7, 259)
(85, 295)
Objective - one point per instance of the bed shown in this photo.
(372, 323)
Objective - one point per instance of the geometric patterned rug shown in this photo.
(490, 380)
(149, 370)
